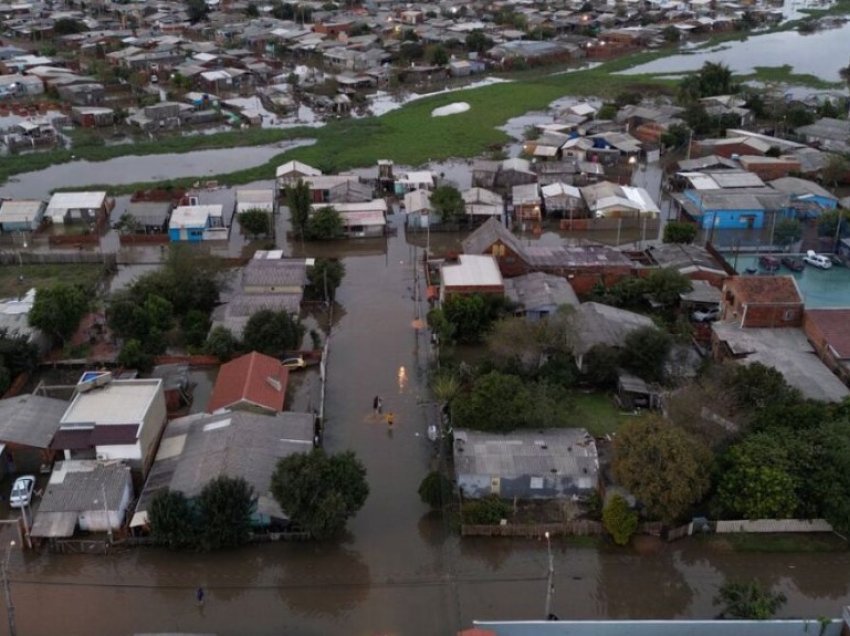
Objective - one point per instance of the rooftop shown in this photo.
(596, 324)
(765, 289)
(30, 420)
(118, 402)
(834, 324)
(538, 290)
(193, 215)
(77, 200)
(281, 272)
(20, 211)
(254, 379)
(472, 270)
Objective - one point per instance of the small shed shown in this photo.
(151, 217)
(633, 393)
(21, 215)
(66, 207)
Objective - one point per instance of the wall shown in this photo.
(152, 428)
(819, 342)
(732, 219)
(771, 316)
(100, 520)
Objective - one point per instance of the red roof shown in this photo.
(834, 324)
(765, 289)
(253, 379)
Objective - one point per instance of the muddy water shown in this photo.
(398, 570)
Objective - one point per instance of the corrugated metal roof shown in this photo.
(472, 270)
(77, 201)
(30, 420)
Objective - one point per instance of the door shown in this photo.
(495, 486)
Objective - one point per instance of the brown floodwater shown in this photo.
(399, 569)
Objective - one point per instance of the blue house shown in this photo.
(734, 209)
(196, 223)
(808, 199)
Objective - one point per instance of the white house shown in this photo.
(67, 207)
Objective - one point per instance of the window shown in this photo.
(536, 483)
(788, 315)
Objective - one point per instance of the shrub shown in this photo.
(489, 511)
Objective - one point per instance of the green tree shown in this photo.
(620, 522)
(17, 353)
(298, 201)
(829, 221)
(496, 402)
(325, 277)
(787, 231)
(713, 78)
(448, 203)
(756, 482)
(478, 42)
(756, 386)
(671, 34)
(68, 26)
(748, 601)
(319, 491)
(57, 310)
(798, 115)
(665, 468)
(608, 111)
(836, 170)
(221, 343)
(144, 320)
(645, 351)
(272, 332)
(171, 520)
(488, 511)
(323, 225)
(225, 506)
(665, 284)
(676, 136)
(188, 280)
(134, 356)
(254, 222)
(600, 365)
(471, 316)
(680, 232)
(439, 56)
(436, 490)
(195, 326)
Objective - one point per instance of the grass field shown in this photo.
(598, 413)
(46, 275)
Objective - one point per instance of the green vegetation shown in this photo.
(324, 278)
(298, 201)
(435, 490)
(16, 280)
(320, 492)
(785, 75)
(57, 310)
(324, 224)
(221, 343)
(620, 522)
(465, 318)
(272, 332)
(680, 232)
(255, 223)
(17, 355)
(448, 204)
(134, 356)
(748, 601)
(488, 511)
(598, 413)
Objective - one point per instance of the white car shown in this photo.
(818, 260)
(22, 491)
(706, 315)
(294, 363)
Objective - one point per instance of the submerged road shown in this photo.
(399, 569)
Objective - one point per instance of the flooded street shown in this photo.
(399, 569)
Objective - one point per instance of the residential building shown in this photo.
(471, 274)
(14, 319)
(27, 426)
(829, 332)
(293, 171)
(546, 464)
(808, 198)
(598, 324)
(482, 204)
(564, 200)
(150, 217)
(537, 295)
(526, 203)
(253, 381)
(21, 215)
(92, 116)
(199, 448)
(609, 200)
(418, 180)
(196, 223)
(417, 208)
(88, 494)
(338, 188)
(113, 419)
(743, 208)
(85, 207)
(827, 133)
(762, 301)
(361, 220)
(692, 261)
(255, 200)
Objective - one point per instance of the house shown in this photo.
(607, 200)
(526, 202)
(828, 330)
(785, 350)
(770, 167)
(737, 208)
(293, 171)
(484, 173)
(762, 301)
(196, 223)
(419, 180)
(21, 215)
(361, 220)
(28, 424)
(268, 281)
(563, 200)
(482, 204)
(113, 419)
(14, 319)
(255, 200)
(199, 448)
(807, 197)
(513, 172)
(546, 464)
(150, 217)
(597, 324)
(92, 116)
(471, 274)
(91, 495)
(417, 207)
(537, 295)
(828, 134)
(253, 381)
(85, 207)
(693, 261)
(338, 188)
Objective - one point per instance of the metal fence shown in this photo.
(773, 525)
(56, 256)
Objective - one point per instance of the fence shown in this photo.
(674, 534)
(580, 528)
(773, 525)
(56, 256)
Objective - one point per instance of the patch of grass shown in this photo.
(785, 75)
(598, 413)
(781, 543)
(46, 275)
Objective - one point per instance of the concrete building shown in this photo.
(762, 301)
(198, 448)
(113, 419)
(471, 274)
(91, 495)
(196, 223)
(547, 464)
(829, 332)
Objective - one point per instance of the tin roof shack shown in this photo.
(550, 464)
(472, 274)
(255, 200)
(827, 133)
(527, 203)
(150, 217)
(762, 301)
(829, 332)
(786, 350)
(196, 223)
(92, 116)
(693, 261)
(481, 204)
(21, 215)
(27, 426)
(113, 419)
(537, 295)
(86, 207)
(90, 494)
(198, 448)
(254, 381)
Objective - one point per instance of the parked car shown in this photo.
(22, 491)
(817, 260)
(793, 263)
(706, 315)
(294, 363)
(769, 263)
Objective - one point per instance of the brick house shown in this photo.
(762, 301)
(829, 332)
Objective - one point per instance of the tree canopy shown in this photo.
(57, 310)
(465, 318)
(679, 232)
(324, 277)
(225, 507)
(645, 352)
(620, 522)
(666, 469)
(320, 492)
(254, 222)
(448, 203)
(298, 201)
(714, 78)
(272, 332)
(323, 225)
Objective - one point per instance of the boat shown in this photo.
(769, 263)
(793, 263)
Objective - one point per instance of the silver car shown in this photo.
(22, 491)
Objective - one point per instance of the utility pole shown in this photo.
(106, 513)
(550, 583)
(10, 606)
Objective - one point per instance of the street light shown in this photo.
(550, 583)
